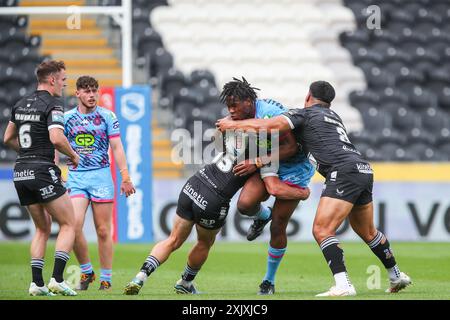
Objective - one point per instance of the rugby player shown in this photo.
(90, 130)
(204, 201)
(348, 187)
(36, 128)
(295, 171)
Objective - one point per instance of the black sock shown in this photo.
(61, 258)
(189, 273)
(150, 265)
(333, 254)
(36, 270)
(381, 247)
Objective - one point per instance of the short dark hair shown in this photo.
(47, 68)
(85, 82)
(323, 91)
(239, 89)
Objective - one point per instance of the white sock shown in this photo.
(394, 273)
(342, 280)
(142, 276)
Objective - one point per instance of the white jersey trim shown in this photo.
(289, 121)
(55, 126)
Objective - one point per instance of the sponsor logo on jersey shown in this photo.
(28, 117)
(195, 196)
(364, 168)
(346, 148)
(115, 125)
(84, 139)
(24, 175)
(57, 116)
(205, 176)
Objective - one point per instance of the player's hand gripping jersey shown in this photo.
(89, 136)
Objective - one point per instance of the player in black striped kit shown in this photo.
(204, 202)
(36, 128)
(348, 186)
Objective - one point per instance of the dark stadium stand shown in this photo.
(407, 66)
(18, 58)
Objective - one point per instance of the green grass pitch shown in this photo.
(234, 271)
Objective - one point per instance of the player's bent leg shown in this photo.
(42, 222)
(61, 210)
(197, 257)
(361, 220)
(249, 203)
(160, 253)
(102, 212)
(252, 194)
(331, 212)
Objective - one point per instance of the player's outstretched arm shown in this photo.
(61, 144)
(281, 190)
(126, 187)
(10, 137)
(279, 123)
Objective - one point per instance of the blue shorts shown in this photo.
(295, 173)
(95, 185)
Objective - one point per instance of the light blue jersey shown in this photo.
(89, 136)
(296, 170)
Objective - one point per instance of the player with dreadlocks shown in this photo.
(204, 201)
(294, 170)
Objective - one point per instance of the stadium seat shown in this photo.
(172, 81)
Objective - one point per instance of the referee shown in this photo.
(35, 129)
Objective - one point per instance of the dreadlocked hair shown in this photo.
(238, 89)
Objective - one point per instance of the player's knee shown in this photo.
(205, 243)
(174, 242)
(321, 232)
(103, 232)
(43, 231)
(246, 206)
(278, 227)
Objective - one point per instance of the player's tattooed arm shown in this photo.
(10, 138)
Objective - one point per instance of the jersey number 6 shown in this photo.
(24, 137)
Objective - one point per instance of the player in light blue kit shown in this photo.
(295, 171)
(90, 130)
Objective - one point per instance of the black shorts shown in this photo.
(350, 185)
(37, 183)
(198, 203)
